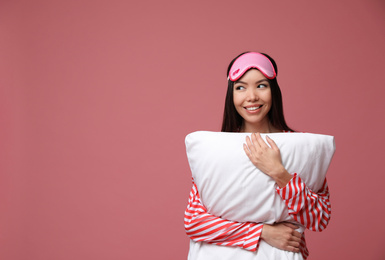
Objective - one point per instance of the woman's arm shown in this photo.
(308, 208)
(202, 226)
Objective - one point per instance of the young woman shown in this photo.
(254, 105)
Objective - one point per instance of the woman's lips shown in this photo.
(253, 108)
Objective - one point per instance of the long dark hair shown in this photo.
(232, 121)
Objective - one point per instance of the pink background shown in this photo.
(97, 97)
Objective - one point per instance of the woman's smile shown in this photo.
(254, 108)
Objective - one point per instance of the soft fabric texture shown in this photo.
(232, 188)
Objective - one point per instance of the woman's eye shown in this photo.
(239, 87)
(261, 86)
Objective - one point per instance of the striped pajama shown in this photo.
(310, 209)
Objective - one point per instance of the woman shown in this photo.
(254, 105)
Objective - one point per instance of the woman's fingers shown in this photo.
(257, 139)
(282, 235)
(248, 142)
(255, 142)
(272, 143)
(250, 145)
(296, 236)
(294, 249)
(290, 225)
(254, 139)
(294, 242)
(247, 151)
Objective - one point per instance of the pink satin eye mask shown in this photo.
(251, 60)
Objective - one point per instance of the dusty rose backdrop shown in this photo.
(96, 98)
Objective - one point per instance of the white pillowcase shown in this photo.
(232, 188)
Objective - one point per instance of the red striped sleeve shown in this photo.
(308, 208)
(202, 226)
(303, 248)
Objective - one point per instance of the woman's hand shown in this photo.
(282, 236)
(267, 159)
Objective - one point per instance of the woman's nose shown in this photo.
(252, 95)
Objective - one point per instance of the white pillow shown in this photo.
(231, 187)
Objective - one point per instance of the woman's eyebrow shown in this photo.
(239, 81)
(262, 80)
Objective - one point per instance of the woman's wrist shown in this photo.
(282, 177)
(264, 231)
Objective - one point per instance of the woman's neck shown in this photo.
(263, 128)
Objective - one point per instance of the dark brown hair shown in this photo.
(232, 121)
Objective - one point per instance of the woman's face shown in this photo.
(252, 100)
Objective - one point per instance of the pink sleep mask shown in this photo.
(251, 60)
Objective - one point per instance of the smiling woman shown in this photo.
(232, 120)
(252, 100)
(254, 105)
